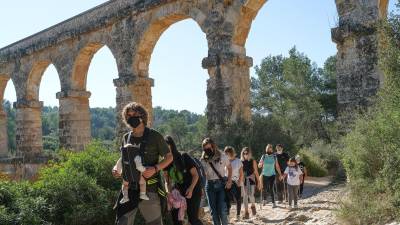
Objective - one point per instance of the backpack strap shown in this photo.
(144, 141)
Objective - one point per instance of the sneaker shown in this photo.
(264, 202)
(143, 196)
(124, 200)
(253, 210)
(246, 216)
(295, 206)
(290, 207)
(273, 205)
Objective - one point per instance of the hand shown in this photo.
(149, 172)
(281, 177)
(116, 174)
(260, 187)
(189, 193)
(228, 184)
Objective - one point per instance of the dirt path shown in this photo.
(316, 207)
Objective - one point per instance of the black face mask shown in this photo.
(208, 153)
(134, 121)
(269, 153)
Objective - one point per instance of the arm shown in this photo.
(195, 179)
(257, 175)
(260, 163)
(278, 168)
(167, 182)
(241, 176)
(117, 169)
(150, 171)
(229, 168)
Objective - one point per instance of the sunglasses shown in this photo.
(245, 153)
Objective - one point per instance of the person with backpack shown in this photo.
(293, 174)
(152, 147)
(269, 165)
(216, 164)
(251, 179)
(281, 185)
(182, 175)
(237, 178)
(303, 169)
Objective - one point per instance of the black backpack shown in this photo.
(201, 172)
(128, 155)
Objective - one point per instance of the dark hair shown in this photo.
(135, 107)
(279, 145)
(177, 156)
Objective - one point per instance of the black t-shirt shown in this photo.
(188, 163)
(282, 160)
(302, 166)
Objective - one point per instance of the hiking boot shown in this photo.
(264, 202)
(295, 206)
(253, 210)
(246, 216)
(273, 205)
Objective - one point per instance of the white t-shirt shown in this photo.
(293, 175)
(219, 166)
(236, 165)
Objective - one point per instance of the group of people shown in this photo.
(154, 172)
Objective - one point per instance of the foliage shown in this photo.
(188, 129)
(298, 94)
(316, 167)
(78, 189)
(372, 149)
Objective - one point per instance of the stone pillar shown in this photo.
(358, 76)
(74, 124)
(29, 129)
(3, 134)
(228, 89)
(133, 89)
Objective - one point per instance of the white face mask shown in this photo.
(279, 151)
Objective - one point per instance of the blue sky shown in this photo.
(180, 82)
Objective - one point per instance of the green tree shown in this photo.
(291, 89)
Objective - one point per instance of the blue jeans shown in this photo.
(215, 191)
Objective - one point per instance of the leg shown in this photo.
(193, 206)
(279, 188)
(151, 209)
(290, 190)
(221, 204)
(301, 188)
(212, 202)
(127, 219)
(142, 187)
(245, 191)
(238, 198)
(174, 213)
(252, 199)
(265, 187)
(271, 188)
(295, 197)
(125, 194)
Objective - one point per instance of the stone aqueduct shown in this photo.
(131, 28)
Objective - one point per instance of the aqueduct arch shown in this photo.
(131, 28)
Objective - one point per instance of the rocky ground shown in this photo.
(317, 206)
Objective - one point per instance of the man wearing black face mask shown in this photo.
(153, 146)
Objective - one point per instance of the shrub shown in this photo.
(316, 167)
